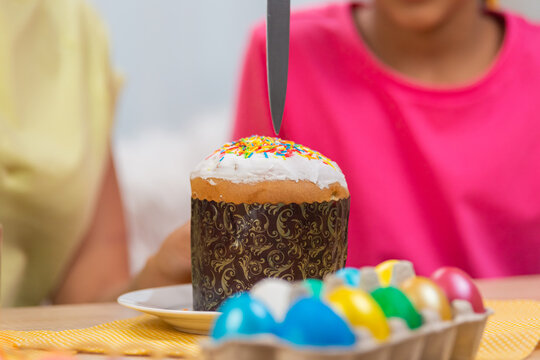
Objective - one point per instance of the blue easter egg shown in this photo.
(310, 322)
(350, 276)
(242, 316)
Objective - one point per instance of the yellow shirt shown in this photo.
(57, 93)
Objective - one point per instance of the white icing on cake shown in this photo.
(264, 166)
(257, 168)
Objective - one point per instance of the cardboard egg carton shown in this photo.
(458, 339)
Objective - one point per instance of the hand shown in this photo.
(171, 264)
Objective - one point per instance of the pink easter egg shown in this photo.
(459, 286)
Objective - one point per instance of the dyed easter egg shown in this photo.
(394, 303)
(275, 294)
(359, 308)
(310, 322)
(426, 294)
(242, 316)
(384, 270)
(459, 286)
(314, 287)
(350, 276)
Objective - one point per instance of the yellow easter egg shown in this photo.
(426, 294)
(384, 270)
(360, 309)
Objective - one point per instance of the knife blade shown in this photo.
(277, 57)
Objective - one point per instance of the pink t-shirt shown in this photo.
(436, 176)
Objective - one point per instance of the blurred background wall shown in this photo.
(180, 60)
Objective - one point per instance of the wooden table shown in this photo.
(80, 316)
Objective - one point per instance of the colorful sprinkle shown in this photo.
(266, 145)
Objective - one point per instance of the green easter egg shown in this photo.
(395, 303)
(314, 287)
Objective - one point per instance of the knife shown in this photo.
(277, 56)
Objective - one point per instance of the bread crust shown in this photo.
(273, 192)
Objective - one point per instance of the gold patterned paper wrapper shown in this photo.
(233, 246)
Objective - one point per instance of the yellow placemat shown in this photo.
(36, 355)
(511, 334)
(143, 335)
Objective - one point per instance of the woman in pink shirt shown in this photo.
(431, 109)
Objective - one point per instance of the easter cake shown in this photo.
(382, 313)
(264, 207)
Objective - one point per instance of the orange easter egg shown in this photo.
(426, 294)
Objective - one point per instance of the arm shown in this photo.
(171, 265)
(99, 268)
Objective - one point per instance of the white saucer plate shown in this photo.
(172, 304)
